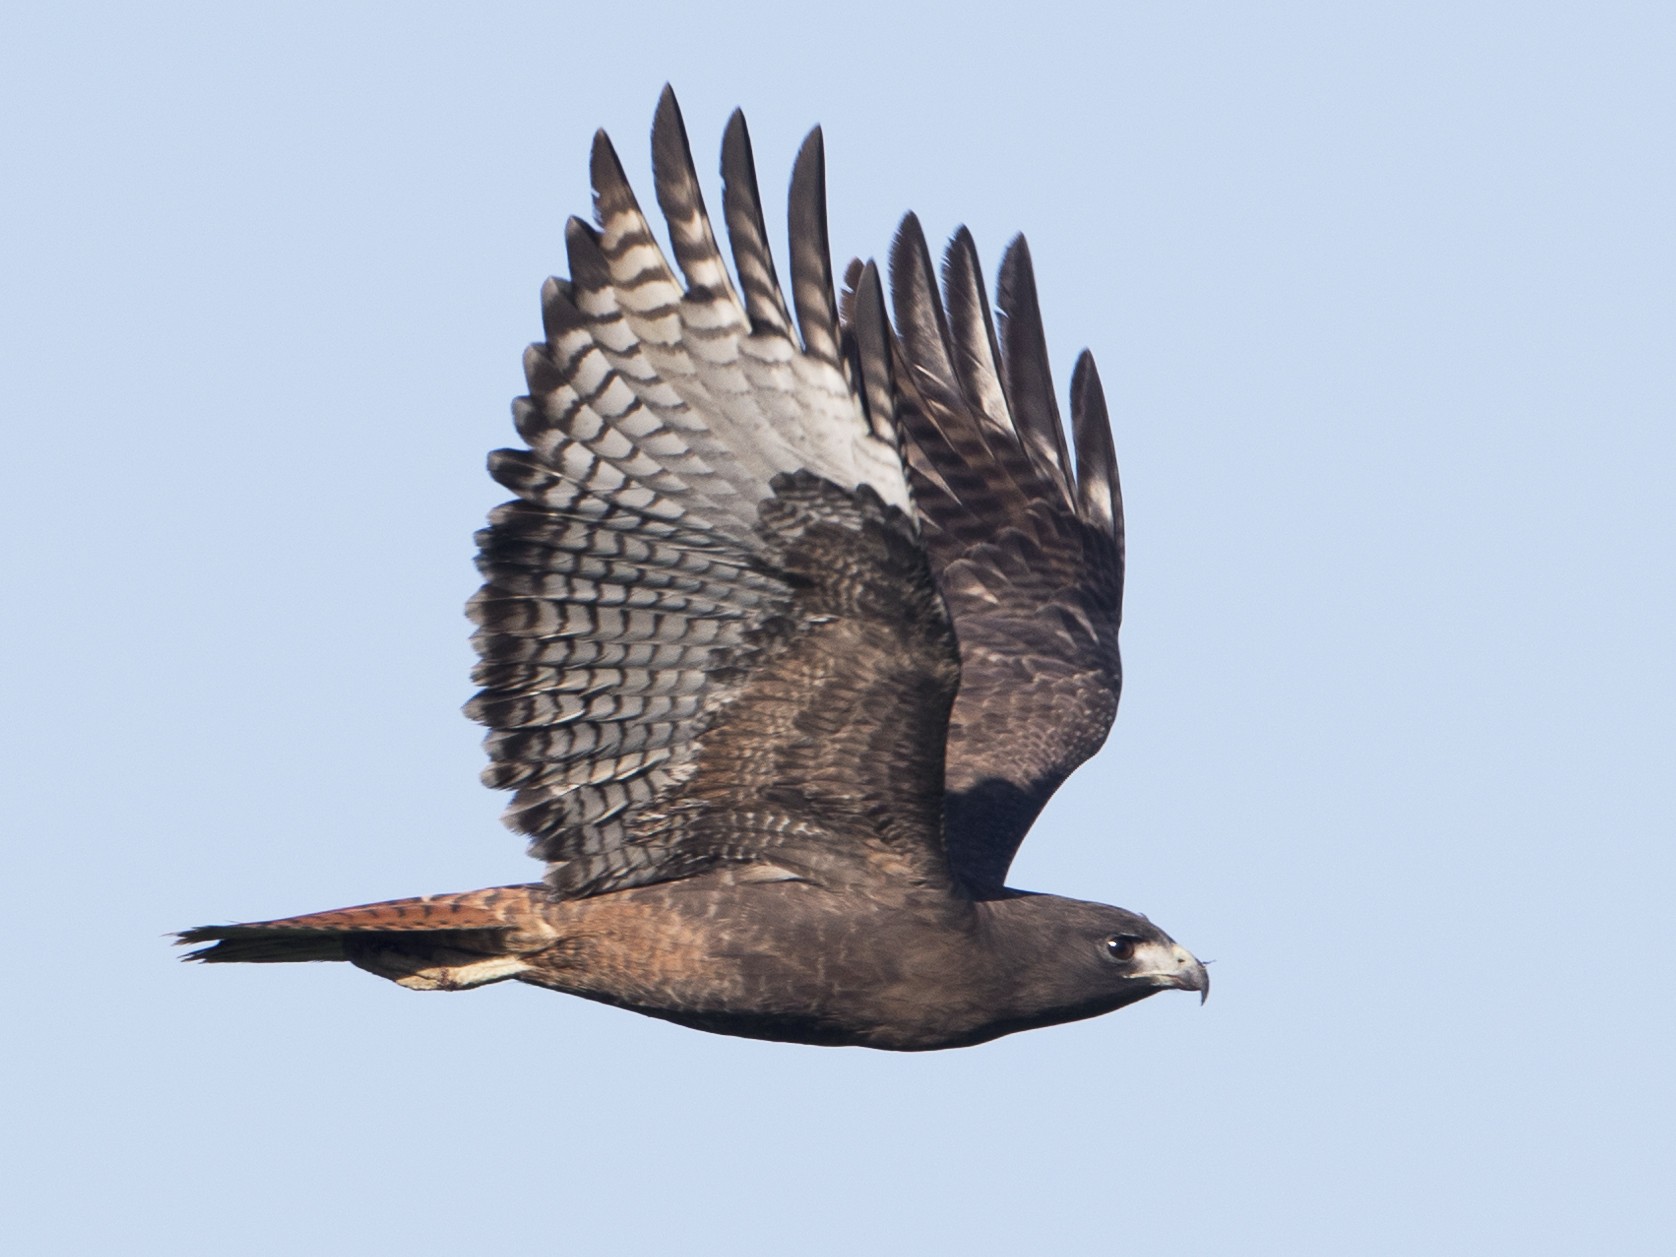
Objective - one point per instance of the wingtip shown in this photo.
(960, 257)
(910, 255)
(808, 169)
(1099, 491)
(587, 263)
(605, 170)
(1085, 380)
(736, 134)
(869, 292)
(1015, 260)
(1015, 284)
(669, 129)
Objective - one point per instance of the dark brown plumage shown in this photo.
(786, 638)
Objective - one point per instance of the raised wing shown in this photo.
(1029, 556)
(709, 633)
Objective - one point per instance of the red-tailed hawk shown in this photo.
(790, 630)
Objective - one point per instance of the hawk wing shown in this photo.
(1028, 556)
(709, 633)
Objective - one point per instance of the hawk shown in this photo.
(796, 619)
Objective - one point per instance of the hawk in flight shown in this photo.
(797, 617)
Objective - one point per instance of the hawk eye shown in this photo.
(1120, 947)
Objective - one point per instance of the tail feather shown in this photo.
(435, 942)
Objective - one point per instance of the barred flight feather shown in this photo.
(702, 493)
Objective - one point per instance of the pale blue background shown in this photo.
(1383, 295)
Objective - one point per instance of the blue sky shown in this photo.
(1383, 299)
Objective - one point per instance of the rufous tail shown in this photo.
(435, 942)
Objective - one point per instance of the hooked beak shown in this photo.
(1197, 978)
(1178, 969)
